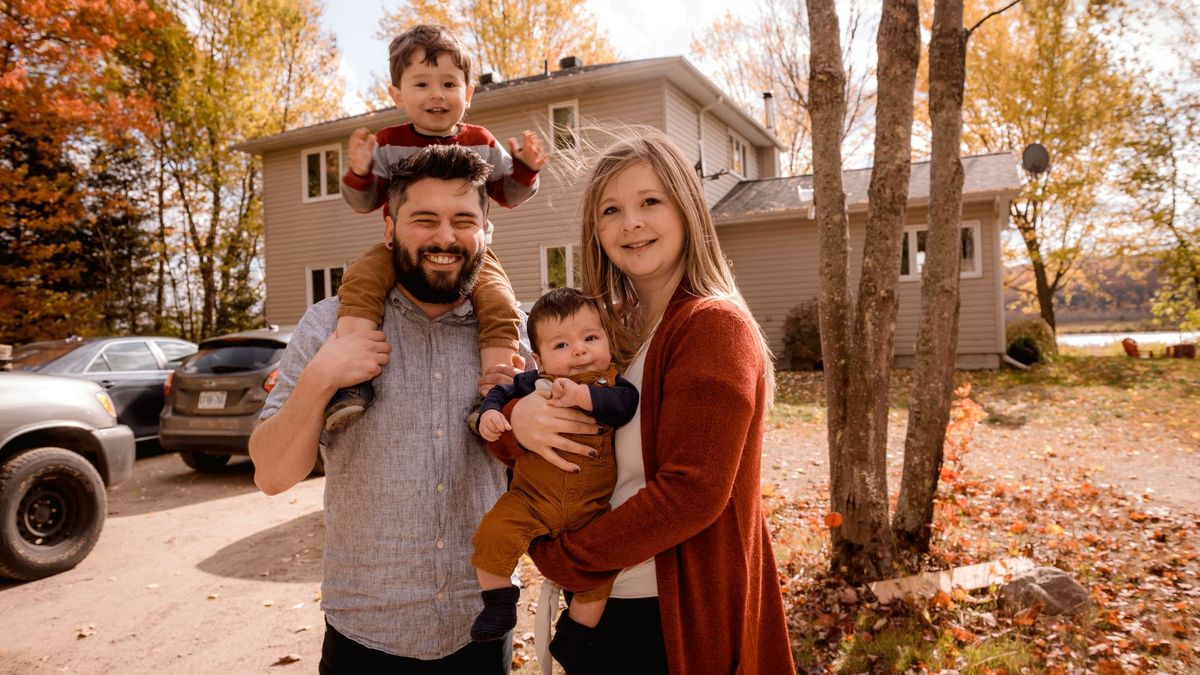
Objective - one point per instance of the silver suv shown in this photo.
(60, 446)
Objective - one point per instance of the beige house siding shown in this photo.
(681, 122)
(776, 266)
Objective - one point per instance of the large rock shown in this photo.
(1055, 590)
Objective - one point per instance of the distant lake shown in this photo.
(1100, 339)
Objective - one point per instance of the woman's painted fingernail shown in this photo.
(576, 470)
(593, 454)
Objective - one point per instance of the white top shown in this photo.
(637, 581)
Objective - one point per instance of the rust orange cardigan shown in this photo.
(700, 515)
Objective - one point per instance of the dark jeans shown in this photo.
(629, 639)
(340, 654)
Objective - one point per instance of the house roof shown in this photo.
(983, 176)
(676, 69)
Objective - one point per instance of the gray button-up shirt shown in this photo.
(405, 485)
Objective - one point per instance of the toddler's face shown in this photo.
(435, 97)
(572, 345)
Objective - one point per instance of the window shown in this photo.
(737, 156)
(321, 172)
(124, 357)
(564, 126)
(323, 282)
(912, 253)
(234, 357)
(175, 351)
(559, 266)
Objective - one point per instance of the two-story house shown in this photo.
(764, 221)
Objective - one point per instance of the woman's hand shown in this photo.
(538, 427)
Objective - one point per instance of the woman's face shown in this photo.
(640, 227)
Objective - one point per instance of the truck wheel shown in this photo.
(52, 506)
(203, 461)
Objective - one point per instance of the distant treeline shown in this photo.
(1118, 289)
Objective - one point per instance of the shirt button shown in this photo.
(441, 595)
(441, 544)
(603, 380)
(440, 433)
(437, 375)
(441, 487)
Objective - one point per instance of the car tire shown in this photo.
(52, 505)
(204, 462)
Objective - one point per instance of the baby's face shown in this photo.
(572, 345)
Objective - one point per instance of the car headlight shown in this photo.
(106, 403)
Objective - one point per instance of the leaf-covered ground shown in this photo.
(1087, 464)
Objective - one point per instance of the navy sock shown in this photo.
(499, 614)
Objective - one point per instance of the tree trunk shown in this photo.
(858, 392)
(933, 381)
(828, 108)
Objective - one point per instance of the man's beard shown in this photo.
(436, 288)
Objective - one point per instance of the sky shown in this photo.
(638, 29)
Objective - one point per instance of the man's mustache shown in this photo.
(447, 250)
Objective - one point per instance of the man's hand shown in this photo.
(345, 361)
(531, 152)
(500, 374)
(492, 424)
(567, 393)
(362, 151)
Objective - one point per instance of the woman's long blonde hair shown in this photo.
(705, 269)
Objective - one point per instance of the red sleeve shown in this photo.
(710, 393)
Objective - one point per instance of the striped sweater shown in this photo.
(511, 182)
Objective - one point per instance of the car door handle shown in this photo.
(107, 384)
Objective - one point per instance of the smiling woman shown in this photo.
(685, 545)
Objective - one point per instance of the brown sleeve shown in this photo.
(496, 306)
(366, 283)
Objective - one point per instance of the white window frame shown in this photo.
(573, 104)
(320, 151)
(740, 146)
(572, 269)
(308, 285)
(910, 234)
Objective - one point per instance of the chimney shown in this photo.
(769, 106)
(568, 62)
(490, 78)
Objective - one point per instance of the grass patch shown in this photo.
(901, 645)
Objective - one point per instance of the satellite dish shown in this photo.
(1035, 159)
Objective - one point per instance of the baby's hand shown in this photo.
(531, 152)
(492, 424)
(569, 394)
(362, 151)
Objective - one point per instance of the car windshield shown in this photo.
(35, 355)
(233, 357)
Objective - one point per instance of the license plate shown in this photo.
(211, 399)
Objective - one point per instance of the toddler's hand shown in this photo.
(492, 424)
(362, 151)
(531, 153)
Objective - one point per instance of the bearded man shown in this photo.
(407, 484)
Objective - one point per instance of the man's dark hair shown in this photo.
(435, 40)
(557, 303)
(444, 162)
